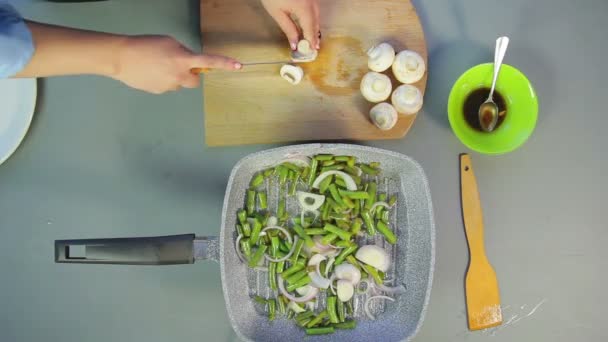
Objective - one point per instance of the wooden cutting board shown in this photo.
(255, 105)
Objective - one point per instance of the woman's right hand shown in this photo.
(158, 64)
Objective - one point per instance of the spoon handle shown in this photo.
(499, 55)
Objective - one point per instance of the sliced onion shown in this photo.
(295, 307)
(366, 305)
(368, 286)
(310, 295)
(272, 221)
(318, 200)
(239, 253)
(347, 271)
(303, 215)
(293, 247)
(345, 290)
(303, 291)
(331, 283)
(392, 290)
(332, 252)
(316, 278)
(283, 230)
(348, 180)
(261, 268)
(310, 305)
(378, 204)
(374, 256)
(297, 160)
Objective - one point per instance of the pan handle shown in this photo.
(158, 250)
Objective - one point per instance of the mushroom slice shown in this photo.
(407, 99)
(383, 115)
(376, 87)
(292, 73)
(408, 67)
(381, 57)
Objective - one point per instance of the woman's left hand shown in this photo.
(306, 12)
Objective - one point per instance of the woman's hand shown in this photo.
(157, 64)
(305, 12)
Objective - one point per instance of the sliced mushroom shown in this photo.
(381, 57)
(407, 99)
(292, 73)
(376, 87)
(408, 67)
(383, 115)
(304, 52)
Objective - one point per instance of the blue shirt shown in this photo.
(16, 44)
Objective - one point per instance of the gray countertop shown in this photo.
(102, 160)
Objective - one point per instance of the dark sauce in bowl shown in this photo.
(475, 99)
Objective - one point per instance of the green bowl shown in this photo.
(521, 102)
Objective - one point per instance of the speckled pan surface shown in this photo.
(414, 255)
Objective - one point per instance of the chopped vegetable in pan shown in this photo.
(316, 260)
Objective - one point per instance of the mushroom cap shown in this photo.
(408, 67)
(304, 52)
(376, 87)
(407, 99)
(292, 73)
(383, 115)
(380, 57)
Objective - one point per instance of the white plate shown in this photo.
(17, 104)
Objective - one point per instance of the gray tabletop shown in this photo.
(102, 160)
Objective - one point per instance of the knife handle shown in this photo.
(200, 70)
(471, 209)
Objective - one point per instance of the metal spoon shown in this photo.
(488, 111)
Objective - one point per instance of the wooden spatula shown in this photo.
(483, 300)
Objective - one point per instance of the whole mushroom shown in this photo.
(381, 57)
(383, 115)
(408, 67)
(304, 52)
(376, 87)
(407, 99)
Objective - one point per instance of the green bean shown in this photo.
(374, 165)
(392, 200)
(292, 167)
(304, 315)
(272, 304)
(385, 216)
(260, 300)
(282, 306)
(351, 162)
(350, 324)
(281, 208)
(315, 231)
(239, 229)
(257, 256)
(283, 174)
(344, 235)
(318, 319)
(263, 200)
(283, 247)
(351, 171)
(369, 170)
(345, 252)
(348, 202)
(350, 307)
(351, 259)
(272, 275)
(304, 322)
(325, 184)
(336, 195)
(293, 186)
(388, 234)
(328, 162)
(343, 244)
(371, 190)
(290, 314)
(340, 182)
(369, 223)
(314, 164)
(268, 173)
(356, 226)
(274, 246)
(305, 173)
(329, 238)
(280, 267)
(325, 211)
(342, 158)
(339, 216)
(302, 234)
(245, 247)
(324, 157)
(292, 270)
(257, 180)
(250, 201)
(331, 309)
(242, 215)
(302, 282)
(374, 273)
(341, 311)
(333, 206)
(255, 232)
(357, 208)
(337, 167)
(320, 331)
(296, 251)
(354, 194)
(294, 278)
(343, 224)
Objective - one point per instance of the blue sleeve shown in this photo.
(16, 44)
